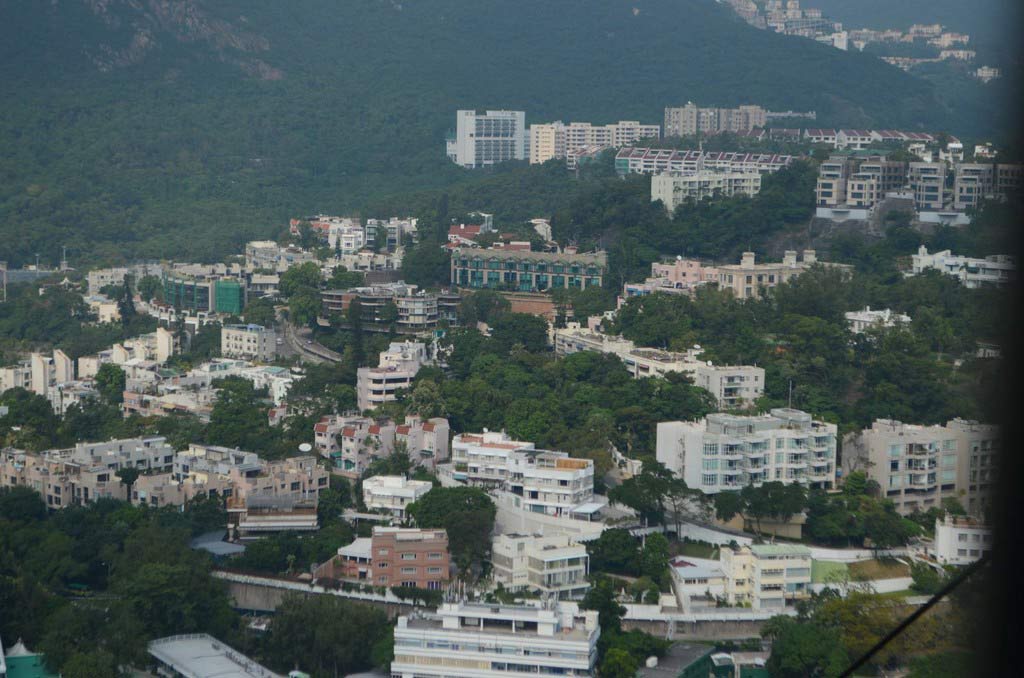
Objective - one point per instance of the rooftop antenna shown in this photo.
(64, 257)
(790, 394)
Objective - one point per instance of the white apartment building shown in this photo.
(396, 370)
(346, 239)
(728, 452)
(997, 270)
(748, 278)
(540, 482)
(471, 640)
(861, 321)
(557, 140)
(393, 493)
(482, 459)
(919, 466)
(551, 483)
(488, 138)
(673, 189)
(248, 342)
(961, 540)
(555, 566)
(733, 386)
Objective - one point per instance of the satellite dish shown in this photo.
(305, 447)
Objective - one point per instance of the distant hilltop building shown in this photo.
(633, 160)
(997, 270)
(681, 121)
(748, 279)
(558, 140)
(483, 139)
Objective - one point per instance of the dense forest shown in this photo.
(185, 128)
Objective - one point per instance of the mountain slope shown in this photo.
(184, 127)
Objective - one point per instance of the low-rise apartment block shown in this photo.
(728, 452)
(658, 160)
(523, 271)
(768, 576)
(548, 565)
(255, 516)
(763, 577)
(86, 472)
(917, 467)
(553, 566)
(393, 493)
(249, 342)
(397, 303)
(749, 280)
(675, 188)
(395, 371)
(861, 321)
(997, 270)
(542, 481)
(205, 470)
(473, 640)
(394, 556)
(961, 540)
(681, 276)
(482, 459)
(267, 255)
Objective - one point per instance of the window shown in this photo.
(408, 570)
(408, 556)
(433, 570)
(434, 556)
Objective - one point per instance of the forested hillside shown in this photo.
(184, 127)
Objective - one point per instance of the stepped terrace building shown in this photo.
(522, 271)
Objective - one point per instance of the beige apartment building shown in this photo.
(748, 279)
(917, 467)
(556, 139)
(555, 565)
(249, 342)
(767, 576)
(928, 184)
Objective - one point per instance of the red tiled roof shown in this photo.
(348, 431)
(429, 428)
(402, 430)
(320, 428)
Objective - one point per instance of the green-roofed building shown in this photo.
(20, 662)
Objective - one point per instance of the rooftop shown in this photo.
(762, 550)
(199, 655)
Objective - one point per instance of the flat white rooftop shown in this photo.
(199, 655)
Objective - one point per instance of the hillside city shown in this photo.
(713, 394)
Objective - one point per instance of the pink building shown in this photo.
(681, 276)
